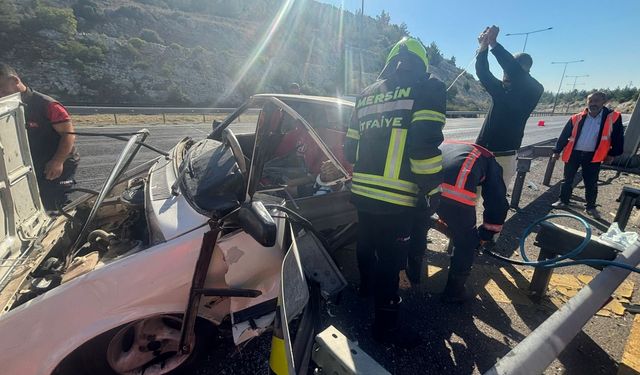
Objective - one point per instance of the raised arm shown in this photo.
(508, 63)
(488, 80)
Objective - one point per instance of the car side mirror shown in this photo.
(256, 221)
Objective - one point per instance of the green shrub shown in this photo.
(150, 36)
(75, 50)
(88, 10)
(61, 20)
(136, 43)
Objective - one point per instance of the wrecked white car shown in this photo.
(132, 279)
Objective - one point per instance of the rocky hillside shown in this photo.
(202, 52)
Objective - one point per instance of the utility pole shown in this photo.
(555, 102)
(575, 83)
(526, 34)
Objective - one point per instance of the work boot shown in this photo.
(415, 269)
(559, 204)
(455, 291)
(593, 212)
(387, 331)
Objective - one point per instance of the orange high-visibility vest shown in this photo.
(458, 192)
(605, 140)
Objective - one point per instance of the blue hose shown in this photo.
(560, 261)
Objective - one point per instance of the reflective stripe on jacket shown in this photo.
(467, 166)
(393, 140)
(604, 144)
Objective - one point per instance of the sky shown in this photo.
(605, 34)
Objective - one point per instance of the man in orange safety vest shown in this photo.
(589, 138)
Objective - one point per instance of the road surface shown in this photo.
(98, 154)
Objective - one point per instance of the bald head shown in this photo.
(525, 60)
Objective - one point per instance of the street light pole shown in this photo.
(555, 102)
(576, 80)
(526, 35)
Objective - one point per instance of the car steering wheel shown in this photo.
(233, 143)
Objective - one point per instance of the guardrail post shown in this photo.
(524, 164)
(629, 198)
(541, 277)
(204, 119)
(551, 164)
(164, 118)
(115, 118)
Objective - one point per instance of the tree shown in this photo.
(435, 56)
(8, 15)
(384, 18)
(404, 29)
(61, 20)
(453, 60)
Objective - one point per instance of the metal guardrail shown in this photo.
(115, 111)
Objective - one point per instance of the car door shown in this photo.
(21, 211)
(331, 212)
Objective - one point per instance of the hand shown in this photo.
(53, 169)
(492, 35)
(608, 159)
(329, 172)
(556, 155)
(486, 235)
(482, 40)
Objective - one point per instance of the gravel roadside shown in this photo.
(469, 339)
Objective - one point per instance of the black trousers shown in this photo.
(590, 172)
(461, 223)
(383, 243)
(55, 193)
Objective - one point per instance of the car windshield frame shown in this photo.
(256, 167)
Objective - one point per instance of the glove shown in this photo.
(329, 172)
(486, 235)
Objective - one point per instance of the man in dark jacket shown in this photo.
(393, 141)
(514, 98)
(52, 147)
(465, 167)
(589, 138)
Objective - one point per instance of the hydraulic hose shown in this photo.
(560, 261)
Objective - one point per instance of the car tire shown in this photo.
(93, 358)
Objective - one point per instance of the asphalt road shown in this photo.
(98, 154)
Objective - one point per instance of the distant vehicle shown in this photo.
(212, 233)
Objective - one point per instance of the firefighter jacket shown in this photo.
(503, 127)
(610, 137)
(393, 141)
(466, 166)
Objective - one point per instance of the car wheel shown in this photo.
(148, 346)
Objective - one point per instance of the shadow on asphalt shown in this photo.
(469, 338)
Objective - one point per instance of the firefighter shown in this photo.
(467, 166)
(393, 141)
